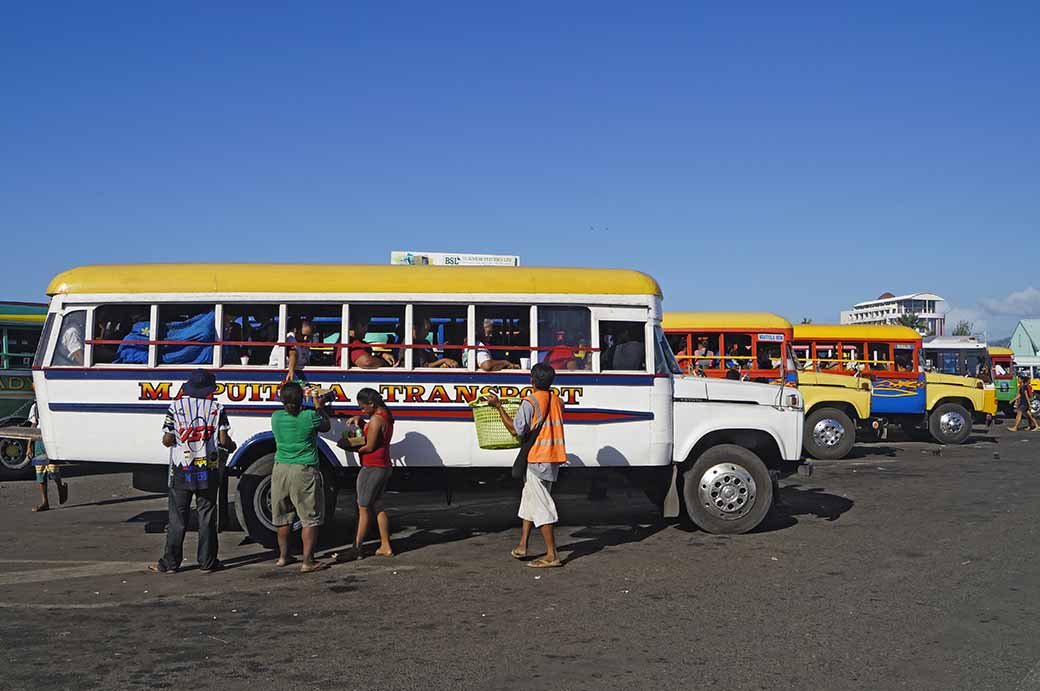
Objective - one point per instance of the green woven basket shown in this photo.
(491, 433)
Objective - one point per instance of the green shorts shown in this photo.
(297, 494)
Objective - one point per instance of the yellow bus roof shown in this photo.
(709, 321)
(998, 350)
(23, 318)
(858, 332)
(347, 278)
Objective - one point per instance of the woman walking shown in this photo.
(1025, 396)
(373, 448)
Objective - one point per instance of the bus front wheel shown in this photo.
(253, 503)
(829, 434)
(727, 490)
(950, 424)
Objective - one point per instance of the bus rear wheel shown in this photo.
(1034, 406)
(727, 490)
(829, 434)
(950, 424)
(253, 502)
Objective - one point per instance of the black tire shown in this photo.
(1034, 405)
(736, 481)
(829, 434)
(950, 424)
(15, 463)
(253, 501)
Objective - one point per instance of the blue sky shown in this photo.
(793, 158)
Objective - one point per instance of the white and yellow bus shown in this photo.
(446, 335)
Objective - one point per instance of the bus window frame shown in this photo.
(617, 313)
(537, 348)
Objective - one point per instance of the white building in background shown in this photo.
(888, 308)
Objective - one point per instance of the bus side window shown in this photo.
(503, 337)
(904, 359)
(803, 352)
(705, 347)
(317, 324)
(622, 346)
(879, 357)
(434, 328)
(68, 352)
(249, 323)
(185, 325)
(737, 348)
(127, 330)
(768, 355)
(567, 331)
(374, 329)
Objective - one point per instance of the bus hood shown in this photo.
(729, 391)
(952, 380)
(844, 381)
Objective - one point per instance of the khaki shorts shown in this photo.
(297, 494)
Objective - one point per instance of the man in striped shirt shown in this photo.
(196, 431)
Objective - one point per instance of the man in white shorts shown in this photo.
(540, 415)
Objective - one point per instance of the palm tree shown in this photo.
(807, 320)
(912, 320)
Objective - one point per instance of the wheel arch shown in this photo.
(965, 402)
(761, 442)
(261, 444)
(843, 406)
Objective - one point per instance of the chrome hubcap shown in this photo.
(828, 433)
(727, 491)
(1034, 406)
(951, 423)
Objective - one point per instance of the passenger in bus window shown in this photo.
(733, 373)
(488, 359)
(361, 352)
(734, 356)
(561, 358)
(70, 343)
(627, 353)
(296, 356)
(233, 354)
(702, 351)
(425, 356)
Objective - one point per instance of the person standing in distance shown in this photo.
(194, 425)
(540, 414)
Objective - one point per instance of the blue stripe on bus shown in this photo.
(346, 376)
(575, 416)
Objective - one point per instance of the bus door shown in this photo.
(898, 385)
(1004, 380)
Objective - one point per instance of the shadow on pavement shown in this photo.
(601, 538)
(872, 450)
(795, 502)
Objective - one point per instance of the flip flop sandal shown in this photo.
(40, 509)
(155, 568)
(543, 564)
(517, 554)
(318, 566)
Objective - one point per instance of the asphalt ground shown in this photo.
(903, 567)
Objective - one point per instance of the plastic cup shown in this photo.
(245, 359)
(525, 363)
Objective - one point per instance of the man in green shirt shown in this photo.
(297, 492)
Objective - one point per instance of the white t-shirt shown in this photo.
(303, 355)
(483, 355)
